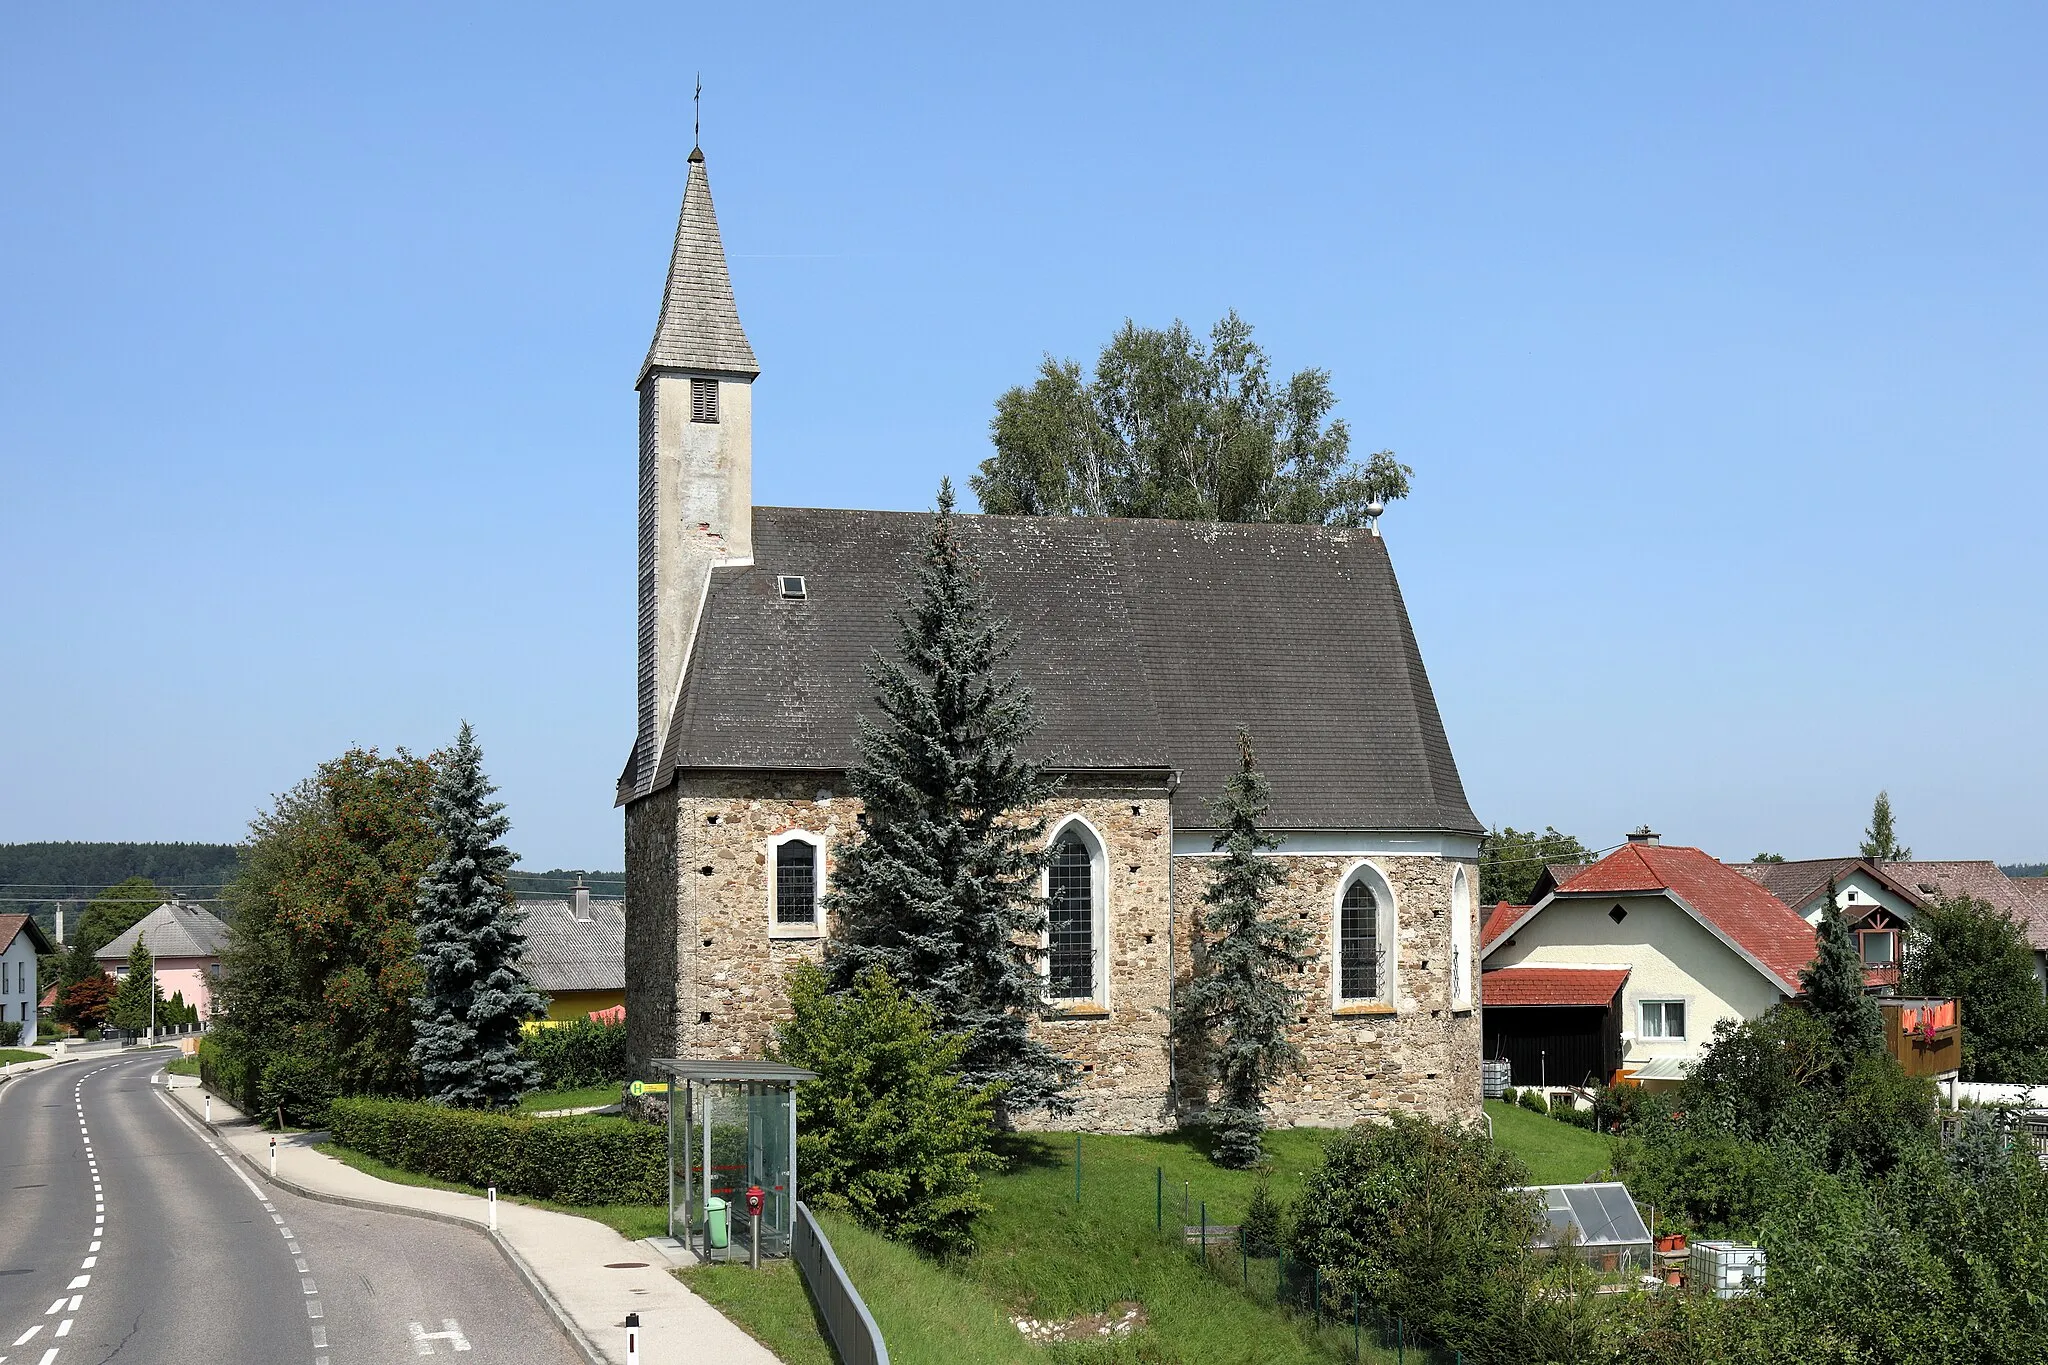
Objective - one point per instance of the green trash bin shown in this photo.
(715, 1227)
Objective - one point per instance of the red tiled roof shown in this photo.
(1551, 985)
(1497, 921)
(1749, 916)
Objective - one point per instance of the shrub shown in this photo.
(1533, 1101)
(16, 1035)
(1428, 1221)
(1510, 1096)
(1625, 1108)
(889, 1131)
(583, 1053)
(581, 1160)
(1261, 1231)
(295, 1088)
(1568, 1112)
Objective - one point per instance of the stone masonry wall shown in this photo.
(1418, 1055)
(705, 978)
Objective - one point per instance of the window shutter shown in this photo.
(703, 400)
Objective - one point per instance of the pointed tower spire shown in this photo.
(700, 324)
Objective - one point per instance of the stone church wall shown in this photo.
(1418, 1054)
(705, 978)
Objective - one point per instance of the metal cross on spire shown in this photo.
(697, 116)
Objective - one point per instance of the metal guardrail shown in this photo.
(854, 1334)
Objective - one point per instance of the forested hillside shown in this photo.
(35, 877)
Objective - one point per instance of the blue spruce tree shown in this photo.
(1239, 1004)
(941, 893)
(474, 997)
(1832, 986)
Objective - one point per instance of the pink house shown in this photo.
(187, 943)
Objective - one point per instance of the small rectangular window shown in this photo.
(793, 586)
(796, 882)
(703, 400)
(1664, 1019)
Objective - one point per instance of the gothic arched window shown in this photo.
(1074, 921)
(1461, 940)
(1359, 951)
(796, 885)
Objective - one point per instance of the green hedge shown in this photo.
(571, 1056)
(582, 1160)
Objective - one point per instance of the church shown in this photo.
(1146, 645)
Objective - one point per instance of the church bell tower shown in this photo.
(696, 463)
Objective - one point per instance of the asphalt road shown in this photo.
(128, 1234)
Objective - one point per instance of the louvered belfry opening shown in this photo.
(1070, 920)
(796, 882)
(703, 400)
(1358, 943)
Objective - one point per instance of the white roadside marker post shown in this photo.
(209, 1107)
(632, 1339)
(493, 1193)
(273, 1158)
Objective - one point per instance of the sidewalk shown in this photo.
(567, 1261)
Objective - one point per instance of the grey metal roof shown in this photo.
(564, 953)
(1146, 644)
(173, 929)
(699, 327)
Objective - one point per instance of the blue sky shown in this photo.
(1717, 342)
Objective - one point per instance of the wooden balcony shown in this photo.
(1925, 1035)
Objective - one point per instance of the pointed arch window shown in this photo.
(1363, 940)
(1075, 902)
(1461, 940)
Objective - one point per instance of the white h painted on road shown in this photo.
(423, 1340)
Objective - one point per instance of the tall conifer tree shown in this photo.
(474, 997)
(942, 892)
(1241, 999)
(137, 997)
(1881, 841)
(1833, 986)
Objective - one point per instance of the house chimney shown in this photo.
(1645, 836)
(579, 907)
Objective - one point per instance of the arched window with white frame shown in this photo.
(1075, 915)
(1365, 939)
(796, 884)
(1461, 940)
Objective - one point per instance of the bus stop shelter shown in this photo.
(731, 1127)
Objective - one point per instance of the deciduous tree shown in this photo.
(1171, 427)
(1969, 950)
(1511, 861)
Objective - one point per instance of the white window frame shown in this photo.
(1461, 939)
(816, 927)
(1388, 937)
(1098, 887)
(1642, 1020)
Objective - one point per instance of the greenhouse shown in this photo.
(1602, 1219)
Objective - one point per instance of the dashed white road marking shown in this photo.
(28, 1336)
(80, 1282)
(76, 1299)
(56, 1307)
(64, 1328)
(313, 1310)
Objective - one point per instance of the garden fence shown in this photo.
(854, 1334)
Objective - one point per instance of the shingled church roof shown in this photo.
(699, 327)
(1145, 643)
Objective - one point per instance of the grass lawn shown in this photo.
(184, 1066)
(1555, 1152)
(629, 1220)
(569, 1099)
(10, 1055)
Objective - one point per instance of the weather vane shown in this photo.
(697, 118)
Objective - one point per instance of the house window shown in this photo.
(796, 882)
(1070, 919)
(1880, 947)
(213, 970)
(1359, 954)
(1663, 1019)
(703, 400)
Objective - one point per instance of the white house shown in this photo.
(1626, 965)
(21, 938)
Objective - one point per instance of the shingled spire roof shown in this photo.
(700, 325)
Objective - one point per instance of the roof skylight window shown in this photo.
(793, 586)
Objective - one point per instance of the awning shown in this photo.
(1511, 986)
(1658, 1069)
